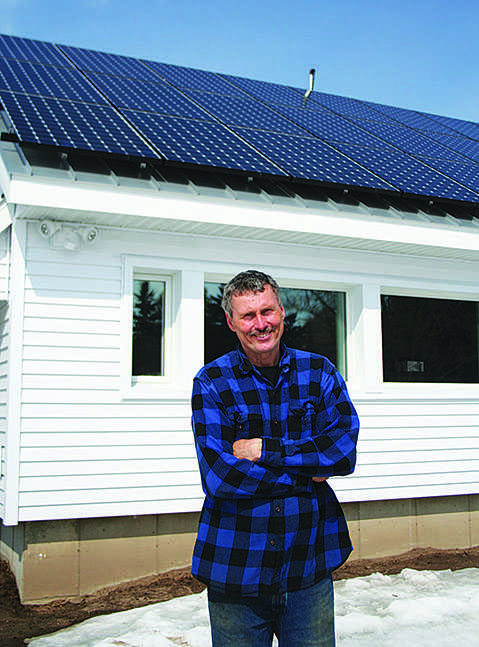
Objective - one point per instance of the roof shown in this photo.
(169, 118)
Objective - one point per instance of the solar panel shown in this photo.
(411, 118)
(113, 64)
(188, 78)
(244, 111)
(406, 173)
(410, 141)
(328, 126)
(47, 81)
(79, 98)
(157, 97)
(70, 124)
(25, 49)
(200, 142)
(268, 92)
(307, 157)
(466, 174)
(467, 147)
(467, 128)
(345, 106)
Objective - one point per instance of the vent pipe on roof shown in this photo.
(312, 72)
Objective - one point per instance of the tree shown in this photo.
(148, 318)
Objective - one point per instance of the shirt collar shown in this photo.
(247, 367)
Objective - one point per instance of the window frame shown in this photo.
(425, 389)
(310, 284)
(167, 341)
(147, 386)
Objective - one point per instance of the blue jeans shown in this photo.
(299, 619)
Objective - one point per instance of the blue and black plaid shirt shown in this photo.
(266, 526)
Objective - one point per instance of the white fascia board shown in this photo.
(14, 377)
(220, 211)
(5, 216)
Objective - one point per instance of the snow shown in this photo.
(414, 608)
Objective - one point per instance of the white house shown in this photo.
(99, 481)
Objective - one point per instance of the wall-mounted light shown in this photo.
(49, 228)
(69, 237)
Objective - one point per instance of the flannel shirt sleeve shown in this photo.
(223, 475)
(329, 449)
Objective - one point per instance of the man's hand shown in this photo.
(249, 448)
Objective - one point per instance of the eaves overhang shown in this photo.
(125, 202)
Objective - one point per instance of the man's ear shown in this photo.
(230, 323)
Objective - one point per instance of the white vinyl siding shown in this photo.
(412, 448)
(4, 325)
(91, 447)
(85, 450)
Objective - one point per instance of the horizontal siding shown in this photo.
(84, 496)
(106, 451)
(70, 368)
(87, 452)
(432, 449)
(70, 354)
(68, 339)
(108, 464)
(102, 413)
(191, 503)
(114, 484)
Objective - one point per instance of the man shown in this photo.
(271, 424)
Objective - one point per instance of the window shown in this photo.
(314, 321)
(149, 319)
(161, 327)
(429, 340)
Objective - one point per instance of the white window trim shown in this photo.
(168, 332)
(183, 347)
(311, 284)
(421, 390)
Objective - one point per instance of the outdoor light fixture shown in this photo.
(49, 228)
(66, 236)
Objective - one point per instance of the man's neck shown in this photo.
(263, 360)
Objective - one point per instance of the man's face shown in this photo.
(257, 319)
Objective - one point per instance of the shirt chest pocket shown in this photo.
(247, 426)
(302, 421)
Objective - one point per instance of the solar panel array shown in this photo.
(71, 97)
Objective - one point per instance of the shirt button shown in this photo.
(275, 422)
(272, 542)
(278, 509)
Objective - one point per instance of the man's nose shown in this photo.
(260, 322)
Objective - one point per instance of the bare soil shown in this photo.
(19, 621)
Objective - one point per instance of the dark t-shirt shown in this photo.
(271, 373)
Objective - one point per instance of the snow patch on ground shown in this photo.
(414, 608)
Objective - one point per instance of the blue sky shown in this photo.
(420, 54)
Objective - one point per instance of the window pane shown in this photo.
(148, 327)
(314, 321)
(429, 340)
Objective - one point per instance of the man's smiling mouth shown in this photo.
(263, 334)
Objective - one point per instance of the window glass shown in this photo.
(429, 340)
(314, 321)
(148, 326)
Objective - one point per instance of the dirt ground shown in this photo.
(18, 621)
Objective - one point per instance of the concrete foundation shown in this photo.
(66, 559)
